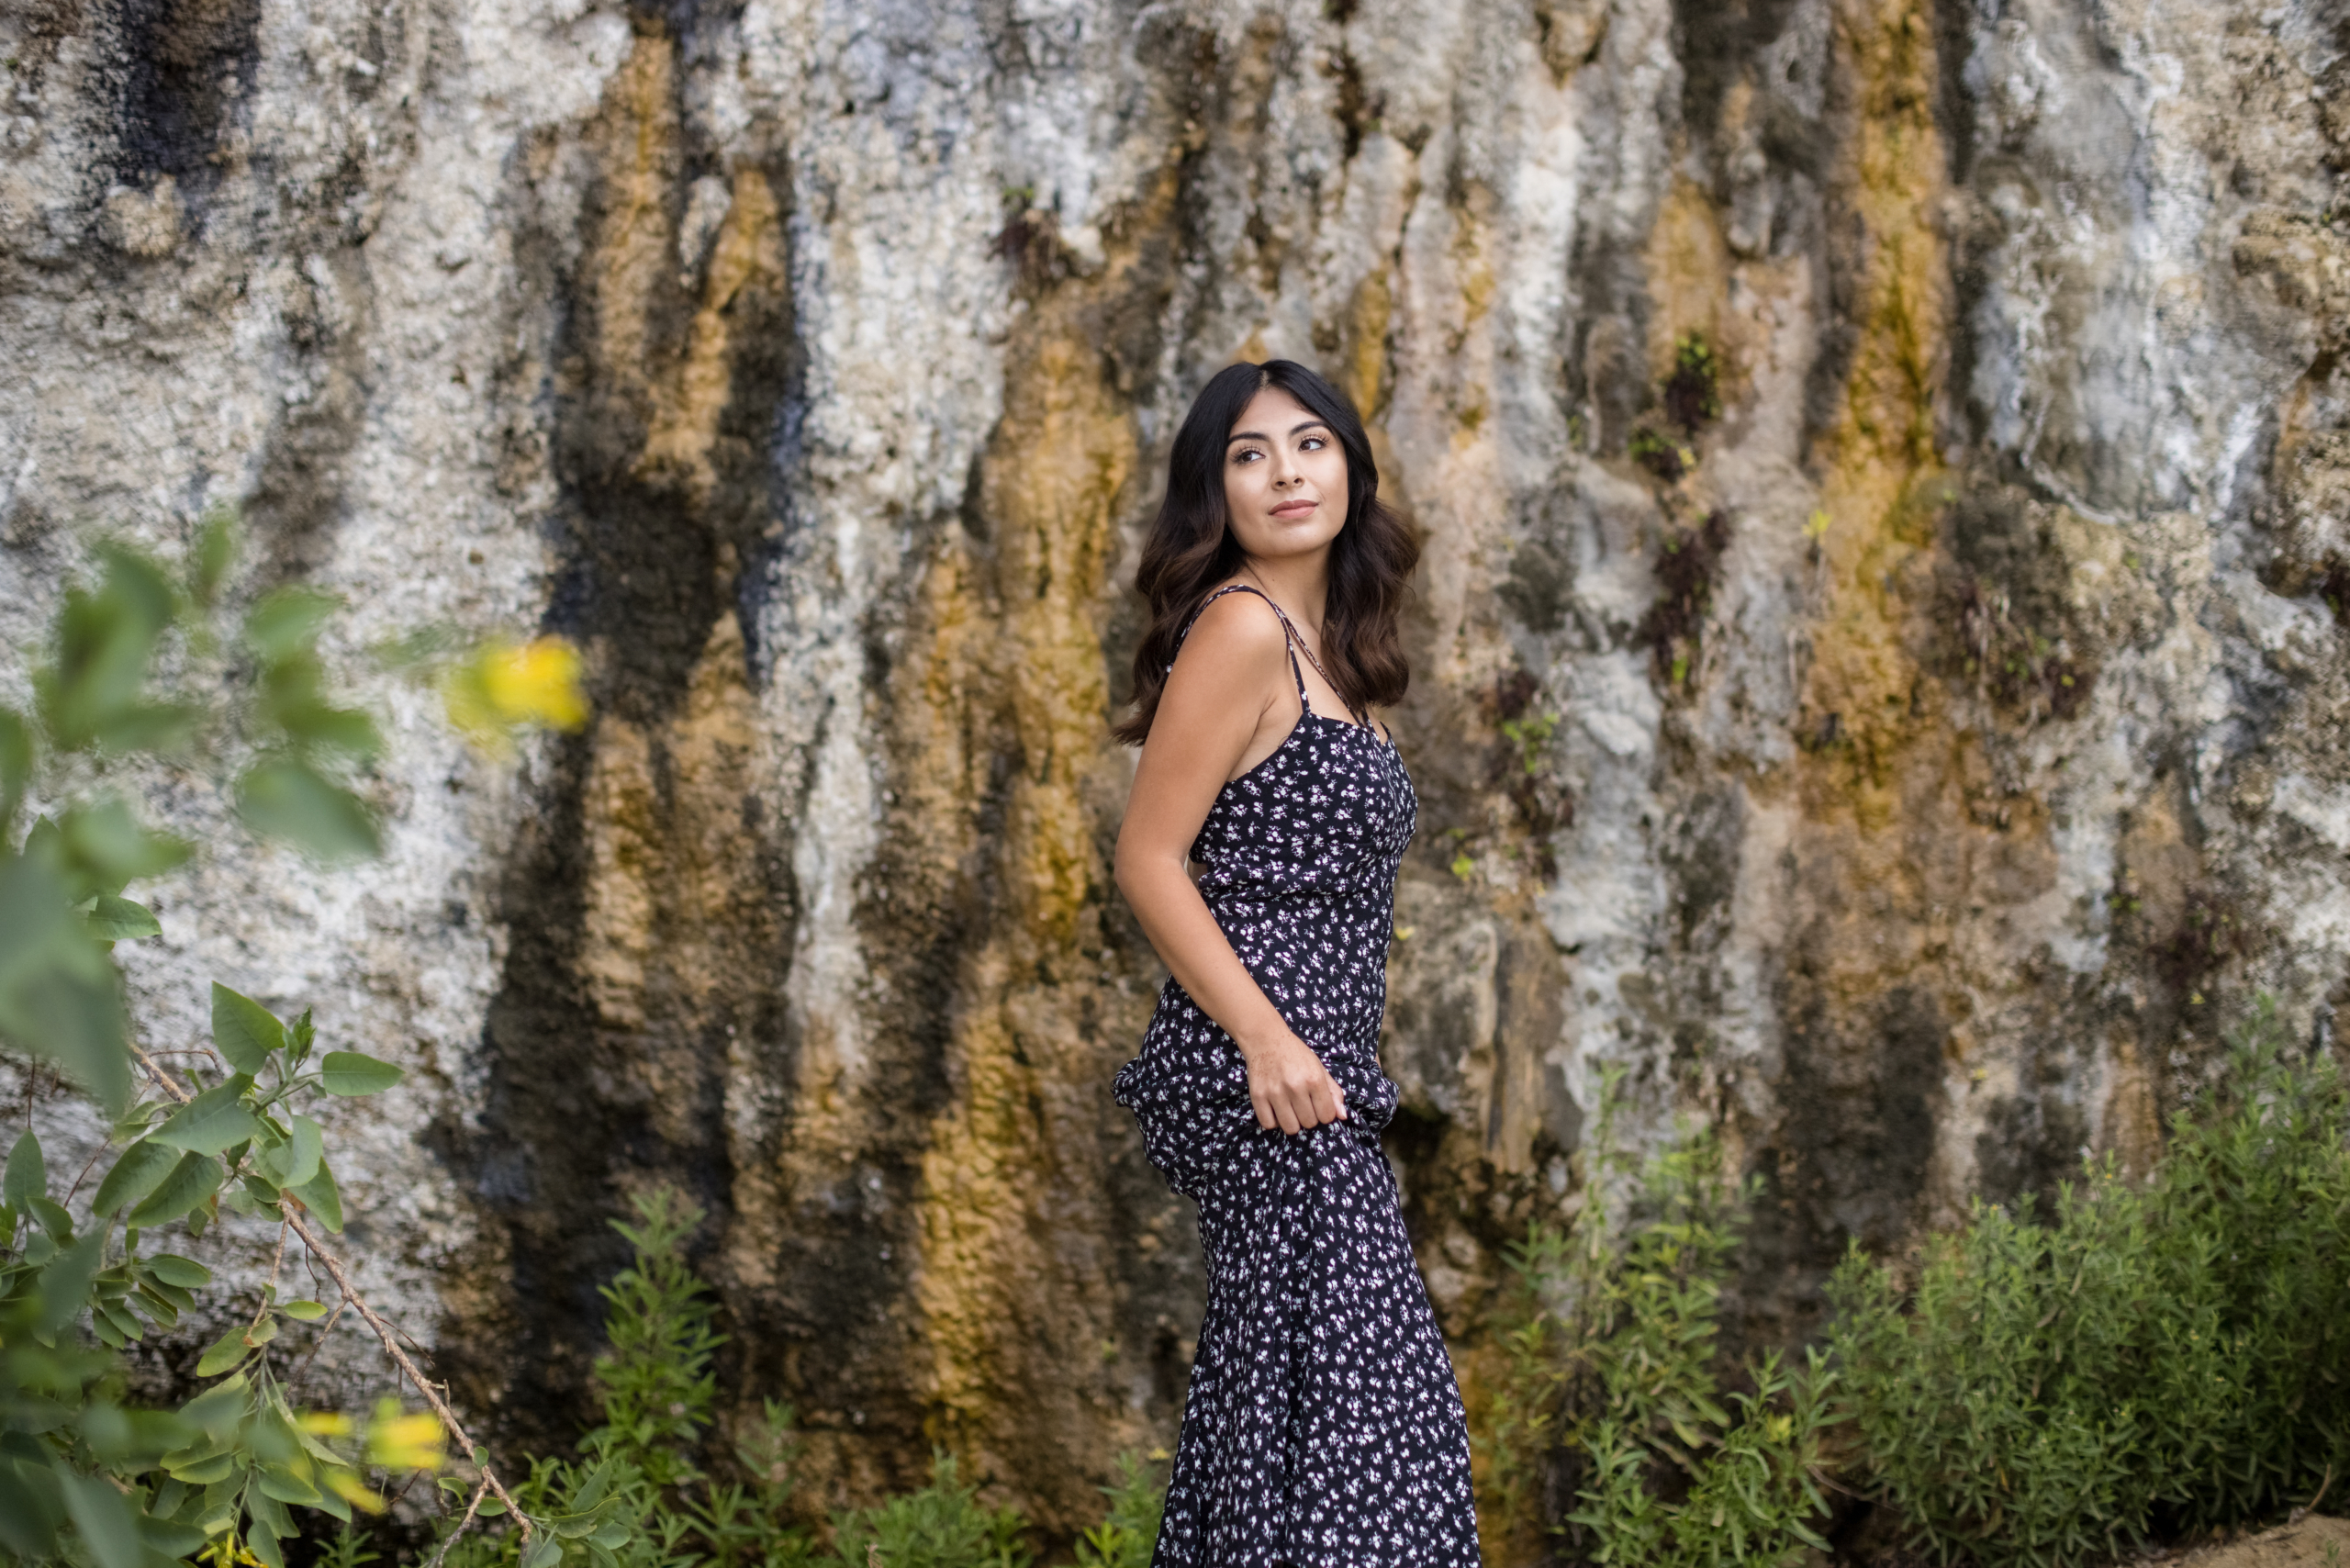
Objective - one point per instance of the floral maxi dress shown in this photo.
(1324, 1428)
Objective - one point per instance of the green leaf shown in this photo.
(285, 622)
(104, 1521)
(215, 553)
(217, 1410)
(113, 919)
(104, 641)
(288, 800)
(169, 1538)
(195, 1178)
(545, 1551)
(221, 1354)
(319, 1195)
(28, 1511)
(319, 726)
(213, 1121)
(260, 1541)
(27, 1174)
(15, 769)
(52, 1217)
(262, 1333)
(60, 998)
(207, 1472)
(285, 1486)
(175, 1270)
(63, 1287)
(304, 1033)
(351, 1074)
(303, 1151)
(160, 1307)
(135, 1176)
(245, 1031)
(303, 1311)
(124, 1324)
(106, 845)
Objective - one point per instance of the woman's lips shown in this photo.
(1294, 509)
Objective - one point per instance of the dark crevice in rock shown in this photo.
(651, 837)
(1716, 41)
(1860, 1097)
(183, 66)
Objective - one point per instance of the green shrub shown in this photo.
(636, 1498)
(1125, 1539)
(1614, 1374)
(2143, 1362)
(942, 1525)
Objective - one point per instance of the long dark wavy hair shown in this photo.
(1191, 547)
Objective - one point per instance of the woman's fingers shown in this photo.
(1296, 1092)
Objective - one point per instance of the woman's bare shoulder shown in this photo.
(1238, 632)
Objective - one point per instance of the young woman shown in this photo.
(1324, 1428)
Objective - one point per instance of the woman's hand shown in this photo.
(1289, 1087)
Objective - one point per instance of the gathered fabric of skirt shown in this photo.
(1323, 1425)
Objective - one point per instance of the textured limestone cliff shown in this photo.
(1908, 765)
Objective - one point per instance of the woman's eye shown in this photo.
(1246, 454)
(1313, 443)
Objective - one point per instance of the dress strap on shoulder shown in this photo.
(1289, 632)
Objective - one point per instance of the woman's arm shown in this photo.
(1231, 682)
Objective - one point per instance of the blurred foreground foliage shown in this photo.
(158, 675)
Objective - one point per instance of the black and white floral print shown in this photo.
(1324, 1428)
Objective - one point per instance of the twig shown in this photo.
(384, 1331)
(269, 1296)
(88, 1166)
(2310, 1506)
(450, 1539)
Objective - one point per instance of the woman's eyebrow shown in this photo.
(1260, 435)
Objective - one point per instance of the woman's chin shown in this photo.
(1300, 538)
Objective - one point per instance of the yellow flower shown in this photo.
(227, 1551)
(537, 683)
(404, 1442)
(325, 1424)
(351, 1489)
(506, 686)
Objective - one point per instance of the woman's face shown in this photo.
(1284, 478)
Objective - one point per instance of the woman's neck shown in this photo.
(1301, 584)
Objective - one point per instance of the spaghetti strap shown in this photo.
(1289, 632)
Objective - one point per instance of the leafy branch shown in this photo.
(81, 1474)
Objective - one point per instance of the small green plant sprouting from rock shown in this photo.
(1532, 734)
(1662, 455)
(1691, 391)
(1688, 564)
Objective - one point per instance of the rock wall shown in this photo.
(1879, 663)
